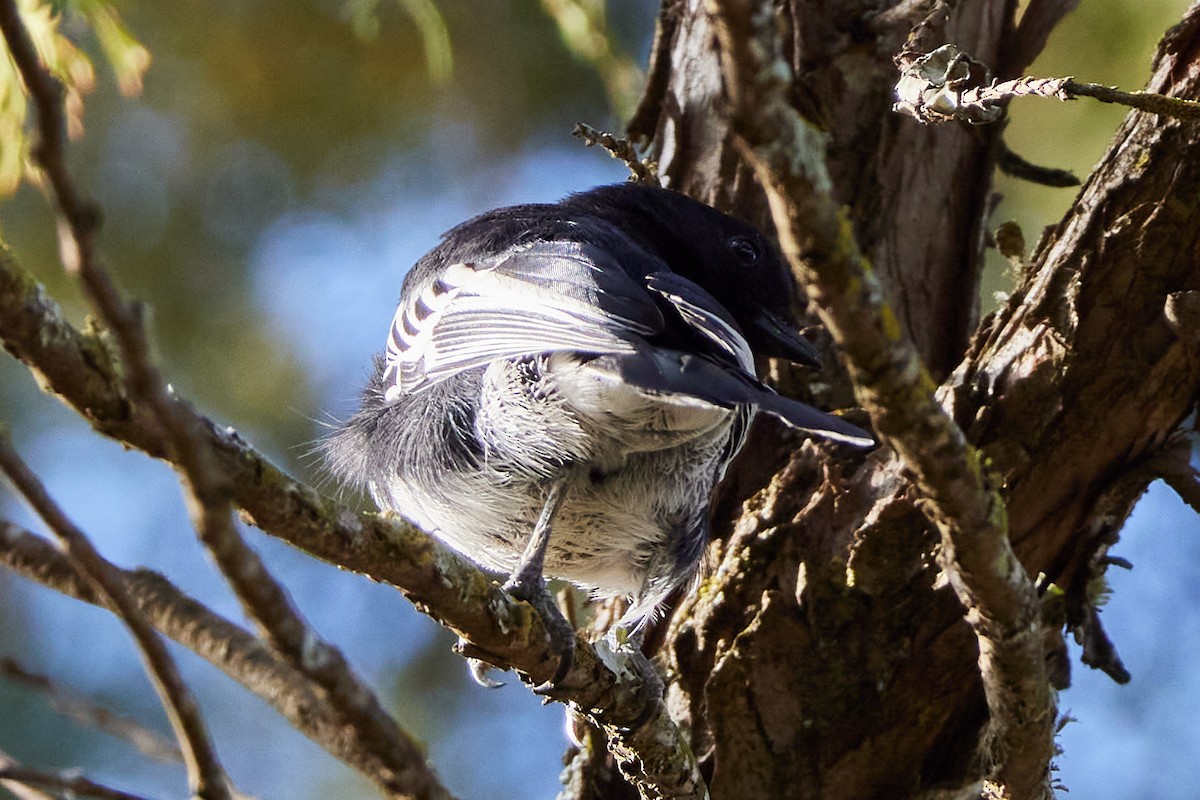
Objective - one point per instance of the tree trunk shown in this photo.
(819, 657)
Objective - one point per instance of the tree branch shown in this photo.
(640, 170)
(227, 646)
(948, 85)
(437, 580)
(207, 487)
(76, 785)
(892, 384)
(84, 712)
(206, 777)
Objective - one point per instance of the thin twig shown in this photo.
(76, 785)
(1150, 102)
(891, 383)
(1069, 89)
(948, 85)
(22, 791)
(205, 775)
(208, 488)
(640, 171)
(226, 645)
(84, 712)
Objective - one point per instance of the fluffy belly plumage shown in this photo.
(639, 471)
(617, 532)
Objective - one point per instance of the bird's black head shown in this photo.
(725, 256)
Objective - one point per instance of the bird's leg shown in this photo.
(527, 583)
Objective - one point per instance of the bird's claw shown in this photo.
(562, 635)
(479, 672)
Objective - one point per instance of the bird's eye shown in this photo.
(744, 249)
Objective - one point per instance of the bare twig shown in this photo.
(891, 383)
(227, 646)
(640, 171)
(75, 785)
(1011, 163)
(948, 85)
(87, 713)
(208, 488)
(205, 775)
(1069, 89)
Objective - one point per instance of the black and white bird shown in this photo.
(565, 384)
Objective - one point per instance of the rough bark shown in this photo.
(820, 658)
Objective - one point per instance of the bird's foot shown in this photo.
(532, 589)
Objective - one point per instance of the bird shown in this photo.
(564, 385)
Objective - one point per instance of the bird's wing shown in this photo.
(565, 295)
(722, 384)
(532, 298)
(705, 315)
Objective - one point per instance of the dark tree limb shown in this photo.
(893, 386)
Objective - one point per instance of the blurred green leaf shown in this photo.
(73, 68)
(14, 145)
(126, 55)
(435, 36)
(583, 27)
(363, 16)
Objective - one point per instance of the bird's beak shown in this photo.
(773, 336)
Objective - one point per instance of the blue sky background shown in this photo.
(319, 257)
